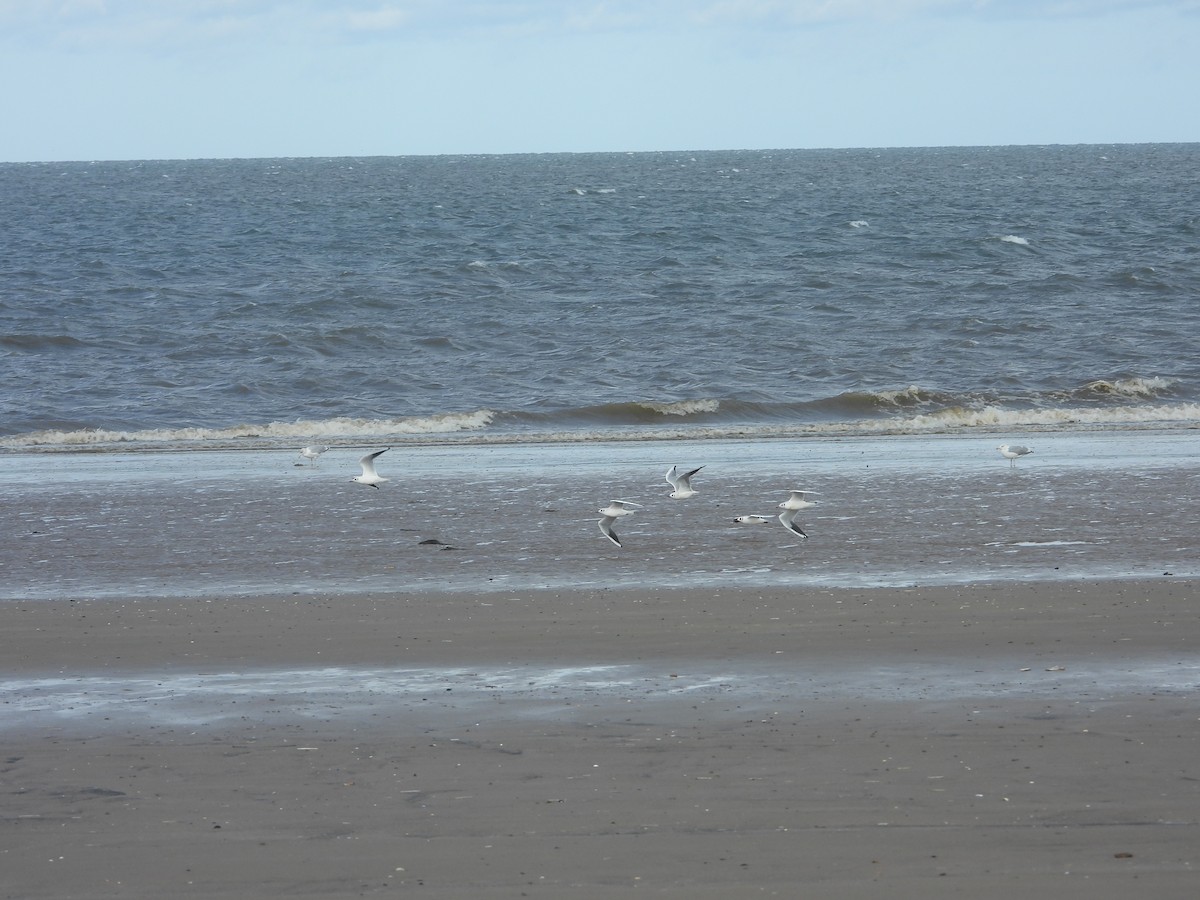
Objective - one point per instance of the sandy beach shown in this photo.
(993, 740)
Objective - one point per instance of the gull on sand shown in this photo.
(312, 452)
(369, 475)
(614, 510)
(681, 482)
(1013, 452)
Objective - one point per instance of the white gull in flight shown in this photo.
(614, 510)
(754, 520)
(682, 483)
(369, 475)
(791, 506)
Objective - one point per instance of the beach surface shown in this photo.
(985, 740)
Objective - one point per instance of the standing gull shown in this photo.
(312, 452)
(369, 475)
(791, 506)
(681, 483)
(611, 513)
(1013, 452)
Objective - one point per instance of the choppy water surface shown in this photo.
(565, 297)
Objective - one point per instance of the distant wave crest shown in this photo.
(641, 412)
(684, 407)
(1127, 403)
(1135, 388)
(990, 417)
(341, 427)
(879, 402)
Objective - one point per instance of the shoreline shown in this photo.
(987, 740)
(866, 430)
(891, 512)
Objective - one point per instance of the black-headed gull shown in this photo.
(754, 520)
(369, 475)
(1013, 452)
(791, 506)
(681, 483)
(312, 452)
(614, 510)
(798, 500)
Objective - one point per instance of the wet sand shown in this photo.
(1029, 740)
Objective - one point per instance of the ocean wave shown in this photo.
(271, 433)
(639, 412)
(683, 407)
(488, 427)
(1125, 401)
(992, 417)
(913, 395)
(1134, 387)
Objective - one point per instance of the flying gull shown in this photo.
(1013, 452)
(614, 510)
(791, 506)
(681, 483)
(754, 520)
(369, 475)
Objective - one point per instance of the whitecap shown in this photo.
(901, 397)
(1131, 387)
(683, 407)
(344, 427)
(1052, 544)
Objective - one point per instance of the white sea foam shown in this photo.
(473, 427)
(902, 396)
(1132, 387)
(1052, 544)
(446, 423)
(684, 407)
(997, 417)
(950, 421)
(1014, 239)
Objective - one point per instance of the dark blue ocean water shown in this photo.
(548, 297)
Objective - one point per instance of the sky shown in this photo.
(186, 79)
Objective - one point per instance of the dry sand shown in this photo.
(986, 741)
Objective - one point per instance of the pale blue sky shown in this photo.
(151, 79)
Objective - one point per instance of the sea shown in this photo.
(532, 336)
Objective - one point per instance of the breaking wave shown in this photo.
(272, 432)
(684, 407)
(1129, 387)
(1122, 404)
